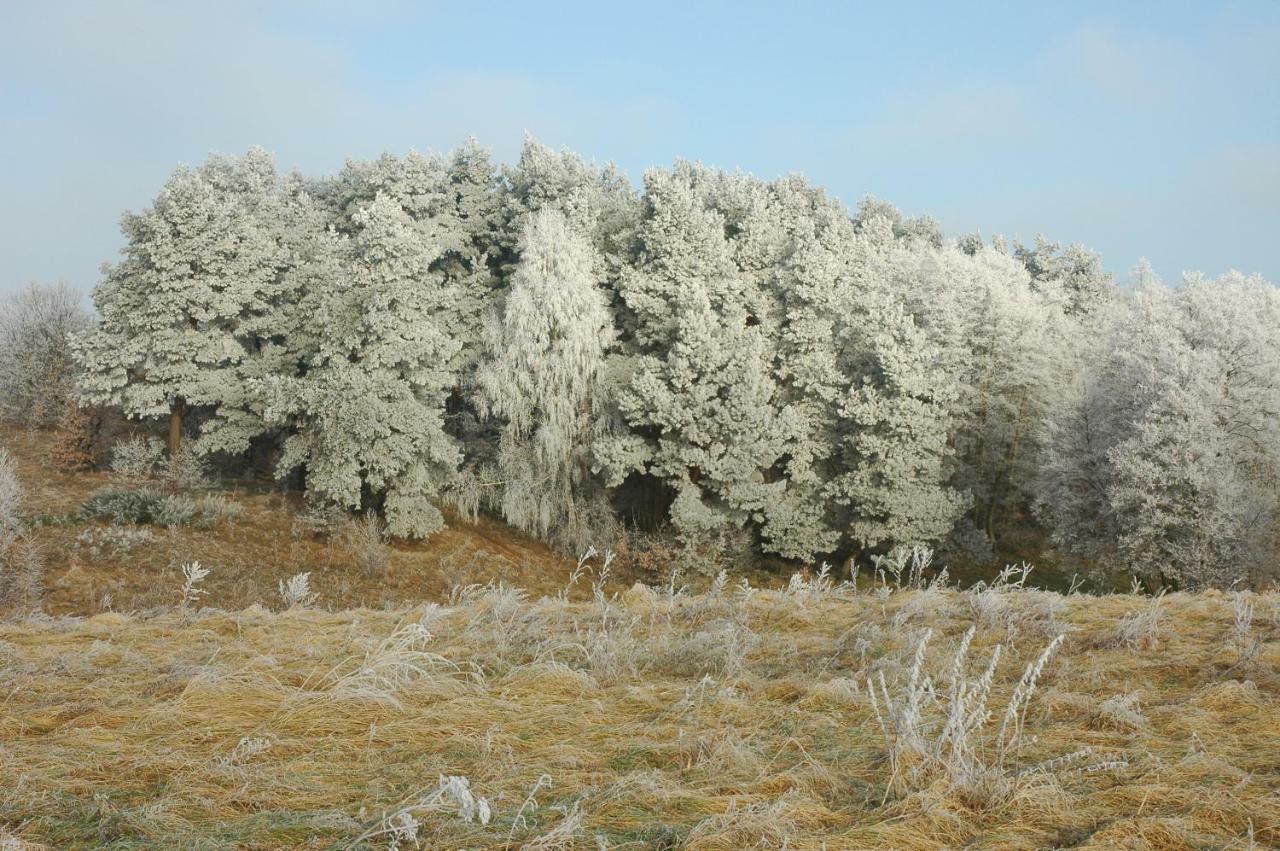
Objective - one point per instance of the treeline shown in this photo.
(729, 361)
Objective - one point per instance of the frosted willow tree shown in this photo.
(600, 203)
(198, 265)
(700, 399)
(368, 412)
(542, 377)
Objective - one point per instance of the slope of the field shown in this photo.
(650, 719)
(249, 552)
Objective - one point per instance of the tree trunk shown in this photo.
(177, 411)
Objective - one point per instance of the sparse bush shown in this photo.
(10, 495)
(122, 506)
(79, 438)
(21, 572)
(137, 459)
(365, 539)
(174, 510)
(37, 374)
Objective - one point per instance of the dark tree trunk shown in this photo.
(177, 411)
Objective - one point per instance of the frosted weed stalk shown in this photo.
(927, 734)
(1141, 630)
(452, 795)
(192, 574)
(393, 665)
(912, 561)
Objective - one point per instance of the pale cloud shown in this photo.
(1243, 177)
(1127, 69)
(965, 118)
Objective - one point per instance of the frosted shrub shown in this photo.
(21, 561)
(215, 508)
(21, 572)
(319, 517)
(122, 506)
(174, 510)
(99, 542)
(137, 459)
(186, 470)
(296, 591)
(132, 506)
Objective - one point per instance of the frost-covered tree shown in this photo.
(894, 426)
(1167, 458)
(923, 229)
(795, 247)
(456, 204)
(700, 398)
(37, 373)
(177, 312)
(599, 203)
(368, 411)
(542, 377)
(1007, 348)
(1073, 273)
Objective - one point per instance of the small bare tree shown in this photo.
(37, 374)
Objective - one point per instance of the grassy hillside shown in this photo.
(651, 719)
(259, 541)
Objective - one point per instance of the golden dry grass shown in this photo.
(690, 721)
(643, 720)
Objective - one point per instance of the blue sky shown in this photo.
(1139, 129)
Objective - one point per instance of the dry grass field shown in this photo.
(649, 719)
(475, 692)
